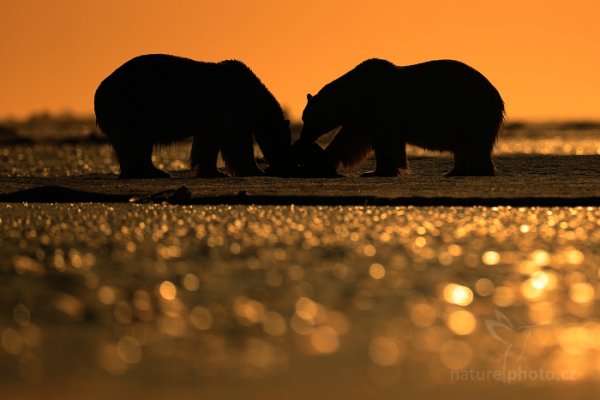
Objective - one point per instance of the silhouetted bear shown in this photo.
(158, 99)
(439, 105)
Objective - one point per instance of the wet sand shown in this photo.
(521, 180)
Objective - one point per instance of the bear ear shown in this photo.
(309, 97)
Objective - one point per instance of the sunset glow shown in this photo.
(542, 55)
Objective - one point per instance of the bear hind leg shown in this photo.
(390, 160)
(461, 165)
(238, 154)
(135, 161)
(482, 166)
(474, 154)
(472, 165)
(205, 151)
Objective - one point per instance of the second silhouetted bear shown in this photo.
(439, 105)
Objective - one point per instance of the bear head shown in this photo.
(319, 117)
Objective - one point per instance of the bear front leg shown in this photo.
(238, 153)
(390, 159)
(205, 150)
(135, 161)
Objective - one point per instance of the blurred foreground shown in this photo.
(333, 300)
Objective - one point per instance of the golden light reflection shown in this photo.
(274, 278)
(325, 340)
(455, 250)
(107, 294)
(339, 322)
(385, 352)
(31, 335)
(191, 282)
(369, 250)
(71, 306)
(458, 294)
(266, 357)
(167, 290)
(531, 291)
(420, 242)
(254, 313)
(24, 264)
(491, 258)
(142, 304)
(377, 271)
(110, 361)
(201, 318)
(248, 311)
(572, 339)
(461, 322)
(542, 312)
(540, 280)
(456, 354)
(274, 324)
(168, 251)
(12, 342)
(504, 296)
(423, 315)
(123, 313)
(582, 293)
(484, 287)
(129, 350)
(301, 326)
(174, 326)
(540, 257)
(21, 314)
(574, 256)
(570, 366)
(296, 272)
(306, 309)
(593, 334)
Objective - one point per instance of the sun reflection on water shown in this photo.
(250, 290)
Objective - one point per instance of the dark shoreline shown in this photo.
(183, 196)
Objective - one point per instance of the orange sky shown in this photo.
(543, 56)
